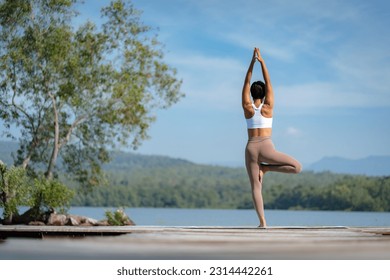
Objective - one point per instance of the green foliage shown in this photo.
(73, 93)
(41, 195)
(117, 218)
(137, 181)
(14, 189)
(50, 194)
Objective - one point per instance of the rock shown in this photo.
(32, 215)
(56, 220)
(36, 223)
(51, 218)
(129, 222)
(92, 222)
(72, 221)
(103, 223)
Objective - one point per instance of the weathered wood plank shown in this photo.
(156, 242)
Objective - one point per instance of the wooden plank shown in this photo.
(38, 231)
(63, 230)
(156, 242)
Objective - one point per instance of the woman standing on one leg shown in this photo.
(260, 153)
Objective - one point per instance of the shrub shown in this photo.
(118, 218)
(42, 195)
(48, 195)
(14, 190)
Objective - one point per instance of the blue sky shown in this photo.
(329, 63)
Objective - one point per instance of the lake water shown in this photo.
(233, 217)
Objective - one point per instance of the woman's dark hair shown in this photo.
(258, 90)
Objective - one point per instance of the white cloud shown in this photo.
(210, 81)
(281, 27)
(365, 68)
(267, 47)
(293, 131)
(327, 94)
(312, 36)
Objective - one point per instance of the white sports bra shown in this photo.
(257, 120)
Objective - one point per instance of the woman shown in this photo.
(260, 153)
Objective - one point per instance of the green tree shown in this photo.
(48, 195)
(14, 190)
(73, 93)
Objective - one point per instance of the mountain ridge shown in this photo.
(371, 165)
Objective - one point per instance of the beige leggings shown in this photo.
(261, 151)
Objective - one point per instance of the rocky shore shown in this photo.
(55, 219)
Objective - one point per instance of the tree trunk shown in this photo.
(33, 145)
(56, 145)
(7, 219)
(26, 161)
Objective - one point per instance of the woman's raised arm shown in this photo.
(246, 99)
(269, 93)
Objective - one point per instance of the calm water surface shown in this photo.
(234, 217)
(230, 217)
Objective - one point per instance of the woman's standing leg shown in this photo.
(252, 167)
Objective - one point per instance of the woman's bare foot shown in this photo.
(264, 168)
(261, 174)
(262, 171)
(263, 223)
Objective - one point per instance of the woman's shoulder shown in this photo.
(249, 110)
(266, 110)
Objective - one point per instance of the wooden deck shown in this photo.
(156, 242)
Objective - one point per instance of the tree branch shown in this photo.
(14, 88)
(78, 121)
(56, 146)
